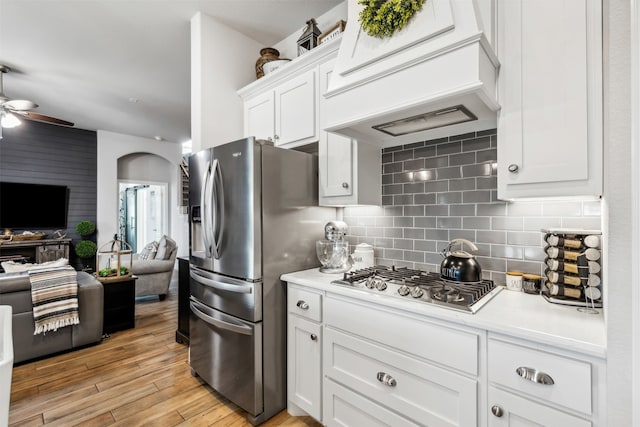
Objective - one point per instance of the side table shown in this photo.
(119, 303)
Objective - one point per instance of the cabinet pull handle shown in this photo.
(497, 411)
(313, 337)
(534, 375)
(386, 379)
(303, 305)
(345, 185)
(513, 168)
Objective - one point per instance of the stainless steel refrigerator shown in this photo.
(253, 216)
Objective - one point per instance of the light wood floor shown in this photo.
(136, 377)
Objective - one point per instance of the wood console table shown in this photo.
(35, 251)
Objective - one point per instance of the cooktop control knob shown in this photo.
(417, 292)
(404, 290)
(370, 283)
(381, 285)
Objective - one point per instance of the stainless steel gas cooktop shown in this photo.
(420, 286)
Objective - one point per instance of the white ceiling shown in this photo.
(85, 61)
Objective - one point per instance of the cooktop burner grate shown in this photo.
(421, 286)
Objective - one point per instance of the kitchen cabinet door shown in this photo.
(349, 171)
(304, 375)
(336, 165)
(550, 91)
(509, 410)
(296, 111)
(259, 118)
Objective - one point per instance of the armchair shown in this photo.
(154, 272)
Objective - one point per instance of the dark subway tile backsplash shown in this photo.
(438, 190)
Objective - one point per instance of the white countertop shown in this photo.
(517, 314)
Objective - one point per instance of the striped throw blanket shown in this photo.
(54, 293)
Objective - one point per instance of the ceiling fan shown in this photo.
(10, 108)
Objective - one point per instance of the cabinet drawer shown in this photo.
(305, 303)
(571, 386)
(418, 390)
(345, 408)
(517, 411)
(448, 346)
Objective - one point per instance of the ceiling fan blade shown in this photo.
(20, 105)
(42, 118)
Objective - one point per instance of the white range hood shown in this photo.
(436, 77)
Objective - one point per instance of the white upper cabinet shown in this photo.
(349, 171)
(550, 90)
(259, 116)
(286, 114)
(296, 110)
(283, 106)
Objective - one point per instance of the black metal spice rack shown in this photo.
(574, 270)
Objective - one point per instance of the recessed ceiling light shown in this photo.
(158, 138)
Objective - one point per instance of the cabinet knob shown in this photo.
(276, 137)
(314, 337)
(497, 411)
(302, 305)
(345, 185)
(513, 168)
(535, 376)
(386, 379)
(269, 139)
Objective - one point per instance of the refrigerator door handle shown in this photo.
(233, 327)
(205, 214)
(216, 284)
(218, 209)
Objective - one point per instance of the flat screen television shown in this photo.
(33, 206)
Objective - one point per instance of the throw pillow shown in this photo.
(162, 248)
(149, 251)
(18, 267)
(165, 247)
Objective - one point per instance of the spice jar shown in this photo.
(531, 283)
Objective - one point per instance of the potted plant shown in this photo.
(85, 248)
(85, 228)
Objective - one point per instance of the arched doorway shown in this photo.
(143, 215)
(143, 198)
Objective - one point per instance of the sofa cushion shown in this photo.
(149, 251)
(17, 267)
(166, 246)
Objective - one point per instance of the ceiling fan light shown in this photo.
(9, 120)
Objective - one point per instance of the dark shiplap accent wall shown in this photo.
(438, 190)
(48, 154)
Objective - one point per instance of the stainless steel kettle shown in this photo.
(460, 266)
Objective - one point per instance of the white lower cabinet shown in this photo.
(415, 371)
(542, 386)
(508, 409)
(420, 393)
(304, 351)
(344, 407)
(305, 377)
(357, 363)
